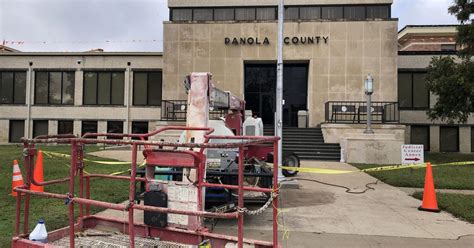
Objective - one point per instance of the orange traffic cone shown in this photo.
(38, 173)
(17, 178)
(429, 195)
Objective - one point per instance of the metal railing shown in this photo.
(175, 110)
(356, 112)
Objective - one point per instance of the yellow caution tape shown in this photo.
(375, 169)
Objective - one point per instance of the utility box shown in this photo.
(302, 119)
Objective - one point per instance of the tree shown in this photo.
(451, 80)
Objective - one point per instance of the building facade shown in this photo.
(62, 93)
(329, 49)
(417, 46)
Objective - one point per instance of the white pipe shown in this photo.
(279, 88)
(29, 98)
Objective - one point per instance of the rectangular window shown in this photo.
(40, 128)
(448, 47)
(181, 14)
(147, 88)
(16, 131)
(292, 13)
(103, 88)
(12, 87)
(115, 127)
(54, 87)
(65, 127)
(472, 139)
(139, 127)
(332, 12)
(266, 13)
(412, 92)
(203, 14)
(378, 12)
(354, 12)
(224, 14)
(449, 139)
(88, 127)
(245, 14)
(420, 135)
(310, 13)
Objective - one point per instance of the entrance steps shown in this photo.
(307, 143)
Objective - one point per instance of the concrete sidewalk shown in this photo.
(383, 217)
(318, 215)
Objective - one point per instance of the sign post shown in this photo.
(412, 154)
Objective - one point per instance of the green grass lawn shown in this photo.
(461, 206)
(54, 211)
(445, 177)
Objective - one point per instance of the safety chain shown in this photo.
(261, 209)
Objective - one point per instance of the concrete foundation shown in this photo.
(372, 148)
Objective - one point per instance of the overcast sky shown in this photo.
(132, 25)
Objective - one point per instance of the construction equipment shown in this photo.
(180, 205)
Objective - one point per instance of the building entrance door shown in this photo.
(260, 90)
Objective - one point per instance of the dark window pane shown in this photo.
(244, 14)
(6, 87)
(114, 127)
(68, 88)
(154, 88)
(104, 88)
(202, 15)
(41, 87)
(139, 127)
(140, 88)
(17, 131)
(448, 47)
(472, 139)
(117, 88)
(20, 88)
(354, 12)
(420, 135)
(224, 14)
(332, 12)
(55, 87)
(65, 127)
(420, 93)
(40, 128)
(89, 127)
(266, 13)
(90, 88)
(381, 12)
(449, 139)
(291, 13)
(310, 13)
(182, 14)
(405, 90)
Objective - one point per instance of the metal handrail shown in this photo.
(356, 112)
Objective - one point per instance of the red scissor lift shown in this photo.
(159, 153)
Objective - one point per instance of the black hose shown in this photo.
(348, 190)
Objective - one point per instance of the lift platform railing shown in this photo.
(84, 196)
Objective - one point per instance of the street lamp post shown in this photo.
(369, 89)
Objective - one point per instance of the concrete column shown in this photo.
(102, 126)
(407, 134)
(77, 127)
(434, 138)
(4, 131)
(78, 87)
(465, 139)
(52, 127)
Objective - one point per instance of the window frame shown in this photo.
(147, 88)
(35, 123)
(10, 130)
(13, 86)
(412, 88)
(48, 102)
(82, 126)
(110, 72)
(458, 143)
(65, 121)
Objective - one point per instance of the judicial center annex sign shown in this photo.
(294, 40)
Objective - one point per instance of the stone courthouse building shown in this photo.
(330, 46)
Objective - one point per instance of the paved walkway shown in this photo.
(318, 215)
